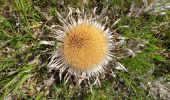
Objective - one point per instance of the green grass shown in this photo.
(23, 71)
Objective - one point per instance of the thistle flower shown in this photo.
(84, 47)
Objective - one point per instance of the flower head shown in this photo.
(84, 47)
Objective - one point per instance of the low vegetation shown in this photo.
(23, 60)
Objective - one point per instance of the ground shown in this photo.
(23, 59)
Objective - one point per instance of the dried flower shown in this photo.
(84, 47)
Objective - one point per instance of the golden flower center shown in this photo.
(85, 46)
